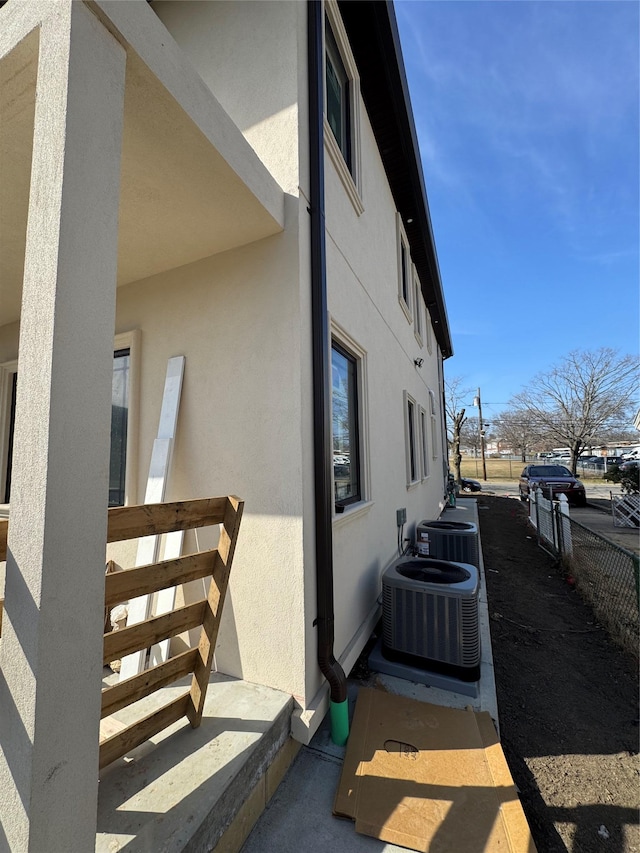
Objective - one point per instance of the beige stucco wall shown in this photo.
(252, 55)
(243, 321)
(363, 301)
(235, 318)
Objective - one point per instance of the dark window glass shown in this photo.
(404, 272)
(346, 461)
(12, 424)
(119, 422)
(412, 441)
(337, 85)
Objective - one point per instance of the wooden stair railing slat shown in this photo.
(213, 610)
(145, 634)
(156, 519)
(123, 742)
(125, 693)
(132, 522)
(143, 580)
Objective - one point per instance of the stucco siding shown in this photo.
(362, 272)
(248, 54)
(236, 319)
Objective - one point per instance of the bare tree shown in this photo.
(581, 397)
(470, 435)
(520, 429)
(455, 394)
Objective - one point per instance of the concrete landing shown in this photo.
(182, 790)
(299, 818)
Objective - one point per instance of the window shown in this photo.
(417, 307)
(424, 444)
(405, 285)
(121, 402)
(342, 104)
(337, 95)
(119, 423)
(411, 443)
(429, 332)
(434, 434)
(345, 426)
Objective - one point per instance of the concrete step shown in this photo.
(194, 789)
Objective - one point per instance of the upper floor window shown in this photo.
(417, 307)
(405, 284)
(342, 104)
(338, 107)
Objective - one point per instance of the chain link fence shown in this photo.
(606, 575)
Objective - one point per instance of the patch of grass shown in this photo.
(506, 469)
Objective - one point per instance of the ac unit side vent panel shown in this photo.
(454, 541)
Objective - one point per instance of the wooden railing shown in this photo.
(154, 520)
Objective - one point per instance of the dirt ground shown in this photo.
(567, 697)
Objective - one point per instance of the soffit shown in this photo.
(182, 198)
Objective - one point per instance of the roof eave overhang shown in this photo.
(373, 35)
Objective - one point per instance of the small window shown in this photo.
(417, 308)
(337, 96)
(411, 443)
(424, 444)
(405, 285)
(429, 331)
(434, 433)
(345, 427)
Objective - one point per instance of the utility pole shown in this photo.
(478, 402)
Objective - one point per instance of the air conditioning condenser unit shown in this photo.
(430, 616)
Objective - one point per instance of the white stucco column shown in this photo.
(51, 646)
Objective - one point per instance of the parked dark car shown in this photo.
(468, 485)
(629, 464)
(611, 460)
(554, 480)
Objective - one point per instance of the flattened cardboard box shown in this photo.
(429, 778)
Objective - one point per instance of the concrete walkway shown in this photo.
(299, 816)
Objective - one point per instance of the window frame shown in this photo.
(412, 458)
(125, 341)
(8, 371)
(428, 330)
(418, 314)
(434, 432)
(345, 344)
(424, 442)
(405, 276)
(349, 172)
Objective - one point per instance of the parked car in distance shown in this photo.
(554, 480)
(468, 485)
(611, 460)
(629, 464)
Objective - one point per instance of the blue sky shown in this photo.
(527, 118)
